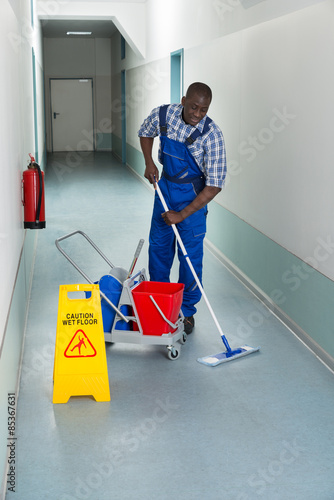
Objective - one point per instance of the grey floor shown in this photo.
(260, 427)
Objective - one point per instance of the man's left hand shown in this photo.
(172, 217)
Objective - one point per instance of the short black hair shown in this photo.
(200, 89)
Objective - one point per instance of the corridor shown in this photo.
(257, 427)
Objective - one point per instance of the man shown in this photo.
(192, 153)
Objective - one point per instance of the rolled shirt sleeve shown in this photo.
(150, 126)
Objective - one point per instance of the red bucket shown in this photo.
(168, 297)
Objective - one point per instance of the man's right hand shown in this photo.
(151, 172)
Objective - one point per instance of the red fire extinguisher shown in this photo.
(33, 196)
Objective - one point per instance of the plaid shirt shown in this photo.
(208, 150)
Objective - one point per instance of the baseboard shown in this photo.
(13, 342)
(140, 178)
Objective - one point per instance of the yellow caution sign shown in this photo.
(80, 363)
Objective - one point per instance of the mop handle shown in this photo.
(192, 269)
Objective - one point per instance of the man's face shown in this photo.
(195, 107)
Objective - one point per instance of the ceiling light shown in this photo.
(79, 33)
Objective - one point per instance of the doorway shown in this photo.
(72, 117)
(176, 76)
(123, 99)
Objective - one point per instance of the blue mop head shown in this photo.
(223, 357)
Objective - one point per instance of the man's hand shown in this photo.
(151, 170)
(172, 217)
(202, 199)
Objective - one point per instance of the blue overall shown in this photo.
(180, 183)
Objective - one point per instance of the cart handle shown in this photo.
(90, 241)
(82, 272)
(132, 280)
(162, 314)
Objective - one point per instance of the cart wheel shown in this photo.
(183, 339)
(173, 353)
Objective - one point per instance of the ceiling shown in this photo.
(100, 28)
(58, 28)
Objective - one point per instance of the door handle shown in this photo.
(55, 115)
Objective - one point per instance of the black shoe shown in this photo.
(188, 324)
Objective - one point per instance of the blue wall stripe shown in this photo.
(35, 103)
(32, 12)
(123, 85)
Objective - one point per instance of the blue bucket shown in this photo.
(112, 288)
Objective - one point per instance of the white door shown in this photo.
(72, 114)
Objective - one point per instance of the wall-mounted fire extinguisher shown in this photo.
(33, 196)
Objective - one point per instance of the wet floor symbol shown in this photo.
(80, 346)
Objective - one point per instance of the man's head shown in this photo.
(196, 103)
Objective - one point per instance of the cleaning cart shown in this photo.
(135, 310)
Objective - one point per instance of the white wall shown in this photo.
(280, 173)
(17, 131)
(146, 85)
(271, 72)
(192, 23)
(17, 38)
(10, 168)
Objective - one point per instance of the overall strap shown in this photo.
(192, 138)
(162, 119)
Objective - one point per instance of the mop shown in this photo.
(229, 354)
(135, 258)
